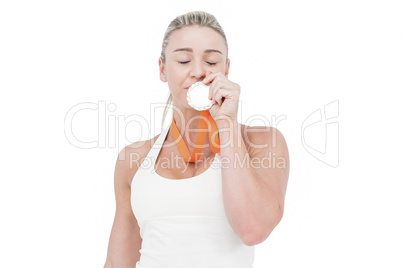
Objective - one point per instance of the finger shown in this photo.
(219, 83)
(223, 94)
(218, 98)
(216, 85)
(207, 78)
(210, 77)
(212, 90)
(207, 73)
(219, 93)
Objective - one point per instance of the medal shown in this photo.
(197, 96)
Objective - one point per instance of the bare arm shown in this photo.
(125, 241)
(253, 196)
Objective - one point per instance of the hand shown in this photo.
(224, 95)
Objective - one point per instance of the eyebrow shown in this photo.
(190, 50)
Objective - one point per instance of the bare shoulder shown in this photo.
(131, 157)
(257, 138)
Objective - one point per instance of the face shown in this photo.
(192, 53)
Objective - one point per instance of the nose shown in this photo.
(198, 70)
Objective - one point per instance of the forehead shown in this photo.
(196, 37)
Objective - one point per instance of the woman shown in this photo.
(210, 208)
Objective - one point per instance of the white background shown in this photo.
(289, 57)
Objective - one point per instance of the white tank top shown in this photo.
(182, 221)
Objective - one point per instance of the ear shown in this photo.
(227, 68)
(162, 71)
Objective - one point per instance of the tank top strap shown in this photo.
(156, 148)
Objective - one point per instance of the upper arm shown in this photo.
(270, 157)
(125, 240)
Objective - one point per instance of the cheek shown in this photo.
(177, 73)
(171, 72)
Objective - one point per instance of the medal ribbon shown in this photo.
(203, 127)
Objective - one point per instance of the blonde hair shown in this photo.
(200, 18)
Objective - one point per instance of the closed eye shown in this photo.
(210, 63)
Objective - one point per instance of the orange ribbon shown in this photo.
(201, 136)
